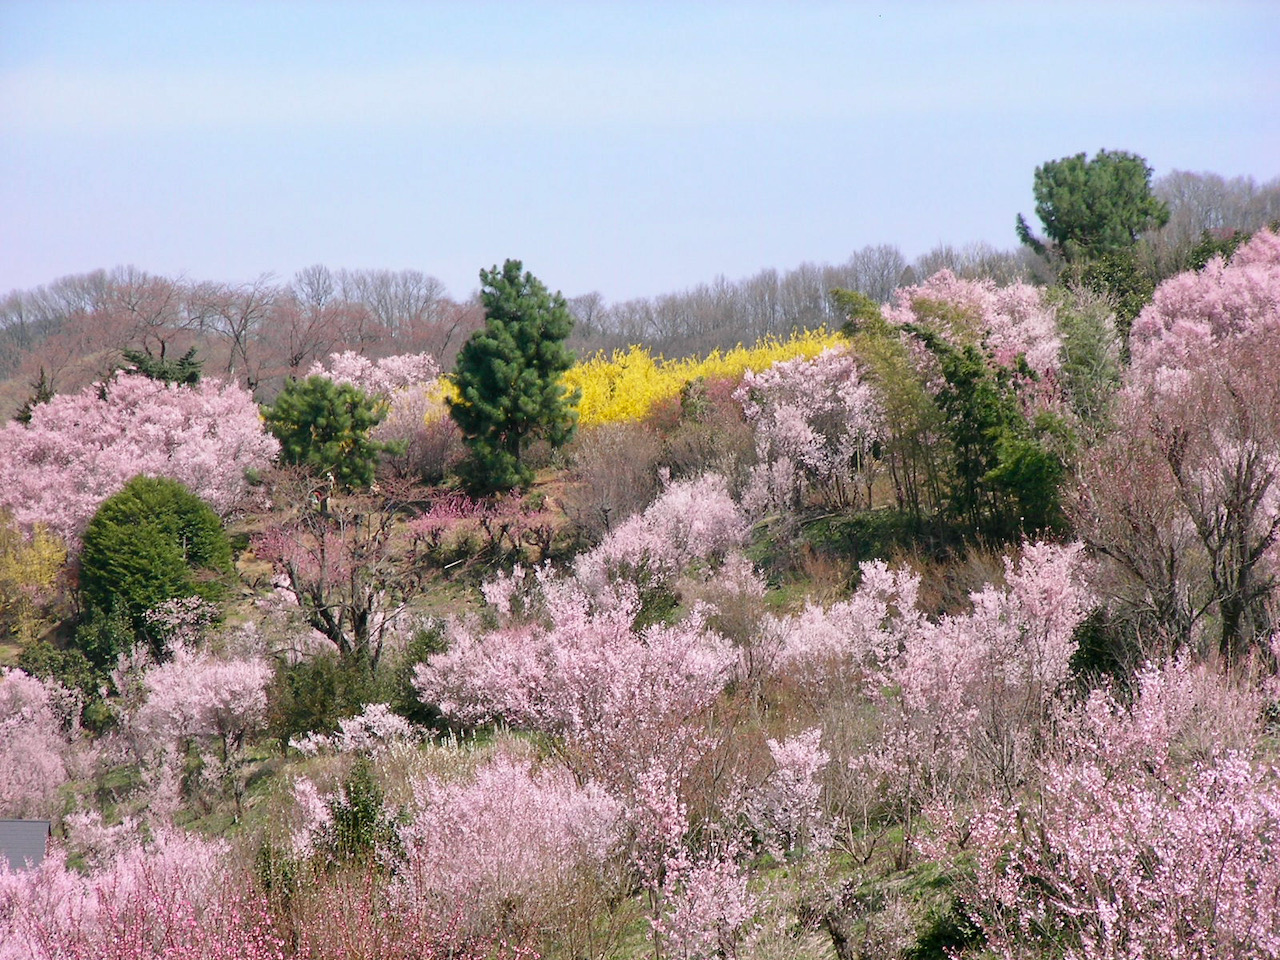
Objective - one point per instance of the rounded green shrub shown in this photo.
(153, 541)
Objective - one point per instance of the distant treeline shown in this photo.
(262, 332)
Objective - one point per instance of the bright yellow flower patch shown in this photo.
(627, 385)
(630, 383)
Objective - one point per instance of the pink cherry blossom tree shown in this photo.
(616, 700)
(372, 731)
(626, 709)
(510, 848)
(1193, 313)
(1184, 502)
(39, 739)
(1133, 846)
(178, 896)
(691, 520)
(816, 422)
(784, 811)
(384, 376)
(958, 706)
(706, 909)
(215, 702)
(1014, 320)
(81, 448)
(1184, 499)
(976, 691)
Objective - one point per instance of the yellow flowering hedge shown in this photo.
(630, 383)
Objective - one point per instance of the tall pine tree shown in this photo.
(508, 379)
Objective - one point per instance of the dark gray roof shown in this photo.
(22, 842)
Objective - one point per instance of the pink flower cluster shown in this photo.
(1020, 638)
(621, 700)
(501, 847)
(691, 520)
(39, 722)
(1132, 850)
(170, 900)
(850, 642)
(963, 699)
(81, 448)
(372, 730)
(182, 620)
(197, 694)
(785, 811)
(383, 376)
(198, 697)
(815, 422)
(1012, 321)
(976, 689)
(706, 909)
(1193, 312)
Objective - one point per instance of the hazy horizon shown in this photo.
(626, 149)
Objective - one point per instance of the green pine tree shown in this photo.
(42, 393)
(324, 427)
(1091, 207)
(508, 379)
(186, 370)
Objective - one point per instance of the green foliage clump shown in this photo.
(324, 427)
(908, 447)
(1090, 208)
(856, 307)
(75, 671)
(880, 534)
(311, 696)
(153, 541)
(1005, 470)
(185, 371)
(404, 698)
(1117, 276)
(1090, 356)
(1222, 244)
(102, 636)
(508, 377)
(361, 826)
(42, 392)
(71, 668)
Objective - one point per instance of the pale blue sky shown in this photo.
(633, 149)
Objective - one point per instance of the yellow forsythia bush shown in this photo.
(29, 569)
(630, 383)
(627, 385)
